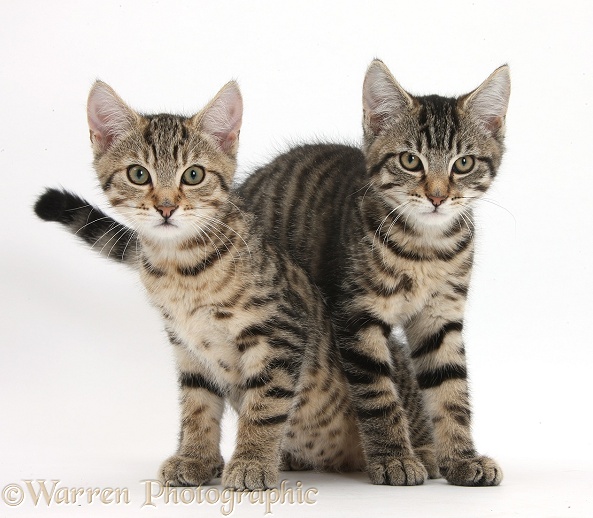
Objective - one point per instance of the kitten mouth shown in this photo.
(166, 224)
(436, 215)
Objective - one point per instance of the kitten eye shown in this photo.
(138, 175)
(463, 165)
(410, 162)
(193, 175)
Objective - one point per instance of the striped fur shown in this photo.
(388, 236)
(245, 322)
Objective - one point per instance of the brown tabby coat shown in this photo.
(246, 323)
(387, 234)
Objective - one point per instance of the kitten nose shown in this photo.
(436, 200)
(166, 210)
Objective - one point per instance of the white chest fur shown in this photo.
(190, 306)
(425, 280)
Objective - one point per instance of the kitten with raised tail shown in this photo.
(387, 233)
(247, 325)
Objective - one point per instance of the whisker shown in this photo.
(133, 234)
(199, 238)
(78, 208)
(468, 222)
(112, 227)
(378, 231)
(220, 222)
(209, 226)
(209, 239)
(492, 202)
(406, 220)
(122, 229)
(91, 222)
(89, 215)
(212, 226)
(487, 200)
(496, 204)
(240, 211)
(403, 207)
(367, 185)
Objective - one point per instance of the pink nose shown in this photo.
(166, 210)
(436, 200)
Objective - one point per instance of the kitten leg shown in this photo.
(198, 457)
(255, 464)
(439, 359)
(419, 422)
(382, 419)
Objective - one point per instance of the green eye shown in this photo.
(463, 165)
(193, 175)
(138, 175)
(410, 162)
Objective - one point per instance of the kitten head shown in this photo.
(430, 157)
(167, 175)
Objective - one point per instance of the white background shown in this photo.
(88, 386)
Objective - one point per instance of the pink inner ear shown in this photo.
(492, 124)
(382, 98)
(100, 140)
(108, 116)
(488, 103)
(376, 122)
(222, 118)
(96, 107)
(226, 140)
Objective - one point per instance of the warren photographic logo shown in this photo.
(48, 492)
(153, 493)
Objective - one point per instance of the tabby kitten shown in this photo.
(388, 236)
(246, 323)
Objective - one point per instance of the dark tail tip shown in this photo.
(56, 205)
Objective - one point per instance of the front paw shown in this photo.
(476, 471)
(397, 471)
(248, 473)
(179, 470)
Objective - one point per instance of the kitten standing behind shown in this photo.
(387, 234)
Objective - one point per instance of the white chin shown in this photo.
(434, 218)
(165, 232)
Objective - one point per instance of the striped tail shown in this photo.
(93, 226)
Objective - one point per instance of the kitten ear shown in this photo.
(222, 117)
(488, 103)
(383, 99)
(108, 116)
